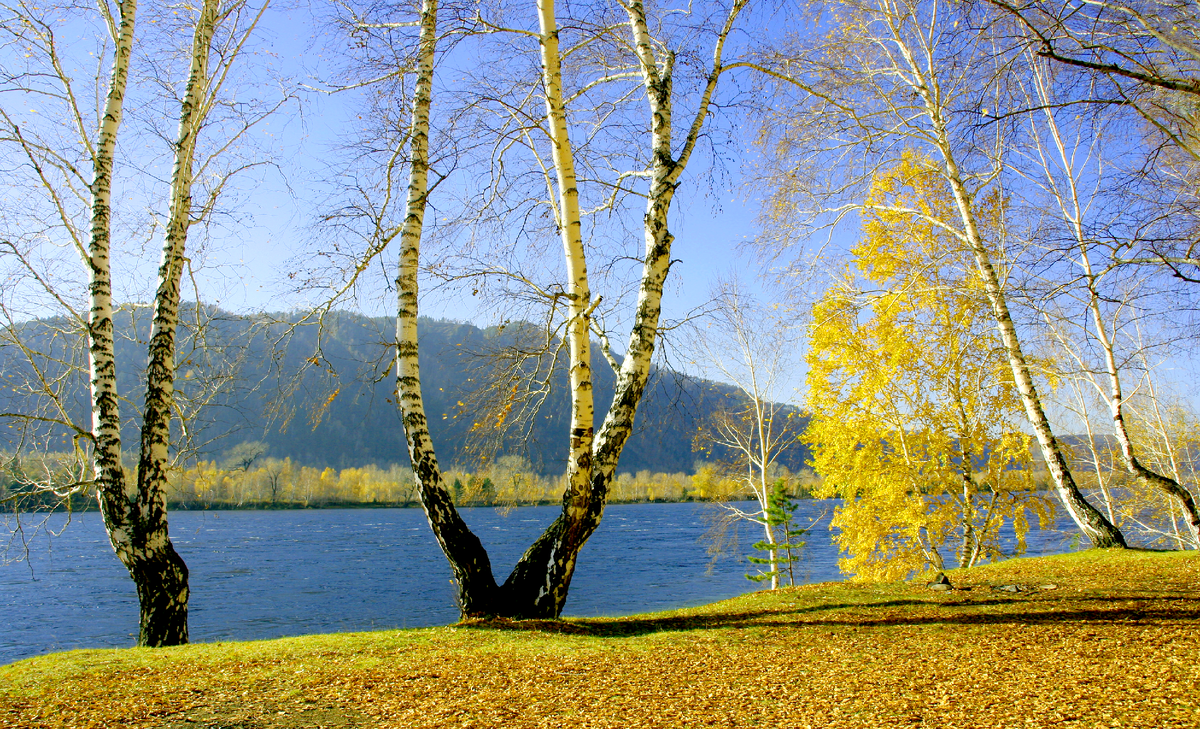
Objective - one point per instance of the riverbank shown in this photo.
(1097, 638)
(89, 505)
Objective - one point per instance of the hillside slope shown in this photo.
(339, 411)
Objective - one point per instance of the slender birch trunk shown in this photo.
(922, 80)
(1116, 403)
(764, 460)
(106, 417)
(476, 587)
(538, 585)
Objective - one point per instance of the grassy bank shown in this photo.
(1094, 639)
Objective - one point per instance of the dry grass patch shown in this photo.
(1114, 643)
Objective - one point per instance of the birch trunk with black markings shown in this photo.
(476, 587)
(538, 585)
(136, 517)
(920, 72)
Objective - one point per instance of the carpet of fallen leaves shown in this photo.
(1097, 639)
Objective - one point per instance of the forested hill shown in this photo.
(323, 396)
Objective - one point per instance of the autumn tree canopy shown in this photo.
(915, 417)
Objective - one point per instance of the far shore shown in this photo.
(90, 505)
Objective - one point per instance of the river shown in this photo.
(265, 574)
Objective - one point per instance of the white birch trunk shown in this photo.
(924, 83)
(469, 562)
(1116, 403)
(578, 294)
(134, 517)
(106, 418)
(665, 171)
(577, 499)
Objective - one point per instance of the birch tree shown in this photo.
(897, 74)
(755, 350)
(538, 584)
(914, 416)
(79, 195)
(1063, 157)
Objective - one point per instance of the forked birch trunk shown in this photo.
(553, 556)
(538, 585)
(134, 518)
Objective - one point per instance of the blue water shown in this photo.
(265, 574)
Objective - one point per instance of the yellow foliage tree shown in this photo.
(913, 406)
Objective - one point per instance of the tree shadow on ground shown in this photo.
(885, 613)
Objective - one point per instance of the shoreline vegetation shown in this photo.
(89, 505)
(268, 484)
(1117, 629)
(245, 479)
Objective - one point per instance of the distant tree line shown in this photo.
(273, 483)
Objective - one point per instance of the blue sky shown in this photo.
(249, 263)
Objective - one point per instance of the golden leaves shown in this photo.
(914, 419)
(1113, 645)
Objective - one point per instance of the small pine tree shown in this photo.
(780, 519)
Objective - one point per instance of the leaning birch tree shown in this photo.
(902, 73)
(1064, 162)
